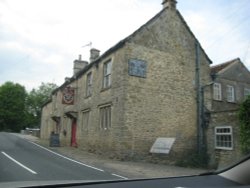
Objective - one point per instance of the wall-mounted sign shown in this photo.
(68, 95)
(137, 68)
(162, 145)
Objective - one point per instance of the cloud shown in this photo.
(40, 39)
(223, 29)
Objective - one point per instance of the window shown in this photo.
(89, 84)
(217, 91)
(85, 120)
(246, 93)
(223, 138)
(230, 93)
(107, 74)
(105, 117)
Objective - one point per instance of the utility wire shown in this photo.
(246, 53)
(228, 33)
(213, 31)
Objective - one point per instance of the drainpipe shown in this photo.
(203, 122)
(198, 99)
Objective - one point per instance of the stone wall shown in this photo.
(238, 93)
(220, 158)
(91, 136)
(224, 113)
(47, 124)
(163, 104)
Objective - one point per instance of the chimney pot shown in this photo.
(67, 79)
(94, 54)
(79, 64)
(170, 4)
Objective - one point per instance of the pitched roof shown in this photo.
(106, 53)
(46, 102)
(217, 68)
(121, 44)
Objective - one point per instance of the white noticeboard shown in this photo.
(162, 145)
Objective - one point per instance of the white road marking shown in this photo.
(120, 176)
(68, 158)
(20, 164)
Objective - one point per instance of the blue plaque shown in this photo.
(137, 68)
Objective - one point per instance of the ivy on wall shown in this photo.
(244, 117)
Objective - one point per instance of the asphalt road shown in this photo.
(22, 160)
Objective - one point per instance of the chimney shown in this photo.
(94, 54)
(66, 79)
(79, 64)
(170, 4)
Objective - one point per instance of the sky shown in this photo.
(40, 39)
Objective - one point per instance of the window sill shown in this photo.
(224, 148)
(233, 102)
(218, 100)
(105, 130)
(106, 88)
(87, 96)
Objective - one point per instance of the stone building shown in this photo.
(231, 85)
(141, 89)
(47, 125)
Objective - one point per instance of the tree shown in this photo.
(244, 117)
(12, 103)
(36, 98)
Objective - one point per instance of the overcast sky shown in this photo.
(39, 39)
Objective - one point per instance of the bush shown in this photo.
(194, 160)
(244, 118)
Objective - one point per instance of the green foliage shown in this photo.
(244, 117)
(12, 102)
(20, 109)
(35, 99)
(194, 160)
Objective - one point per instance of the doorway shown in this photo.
(73, 133)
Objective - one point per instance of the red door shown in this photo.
(73, 133)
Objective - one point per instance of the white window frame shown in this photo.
(230, 94)
(217, 94)
(107, 67)
(246, 92)
(105, 117)
(223, 136)
(89, 82)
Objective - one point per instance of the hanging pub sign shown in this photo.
(68, 95)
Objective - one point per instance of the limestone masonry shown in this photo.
(143, 88)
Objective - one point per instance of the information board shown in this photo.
(162, 145)
(137, 68)
(54, 140)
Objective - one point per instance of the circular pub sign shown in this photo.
(68, 95)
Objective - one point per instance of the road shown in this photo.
(22, 160)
